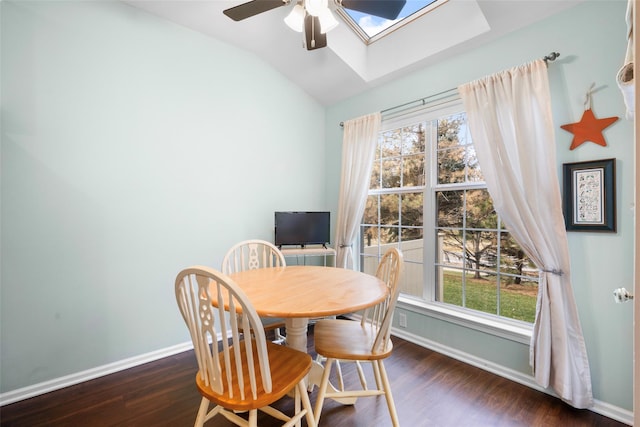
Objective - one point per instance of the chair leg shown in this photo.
(363, 380)
(296, 403)
(340, 379)
(376, 375)
(278, 337)
(320, 359)
(253, 418)
(387, 393)
(322, 389)
(306, 404)
(202, 412)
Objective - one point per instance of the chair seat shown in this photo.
(288, 367)
(270, 323)
(274, 324)
(347, 339)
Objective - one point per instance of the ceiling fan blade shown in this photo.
(252, 8)
(388, 9)
(314, 38)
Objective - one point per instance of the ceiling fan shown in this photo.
(313, 17)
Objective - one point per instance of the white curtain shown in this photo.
(512, 129)
(358, 151)
(625, 79)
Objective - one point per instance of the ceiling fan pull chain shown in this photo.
(313, 32)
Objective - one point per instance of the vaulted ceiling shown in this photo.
(347, 66)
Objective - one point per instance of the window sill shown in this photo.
(512, 330)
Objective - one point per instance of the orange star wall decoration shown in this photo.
(588, 129)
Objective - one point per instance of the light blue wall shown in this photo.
(131, 148)
(592, 41)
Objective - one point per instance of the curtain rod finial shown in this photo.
(551, 57)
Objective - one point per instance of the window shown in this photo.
(371, 28)
(427, 196)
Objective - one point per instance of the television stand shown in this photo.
(310, 251)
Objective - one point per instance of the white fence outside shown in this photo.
(412, 280)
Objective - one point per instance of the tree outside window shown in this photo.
(430, 166)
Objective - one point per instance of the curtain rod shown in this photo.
(547, 58)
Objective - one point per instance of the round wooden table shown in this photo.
(297, 293)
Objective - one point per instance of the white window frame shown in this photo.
(504, 327)
(367, 40)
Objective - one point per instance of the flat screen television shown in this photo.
(302, 228)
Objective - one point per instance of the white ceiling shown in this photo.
(347, 66)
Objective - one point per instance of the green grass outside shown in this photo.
(516, 303)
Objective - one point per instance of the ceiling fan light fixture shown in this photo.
(295, 19)
(327, 21)
(316, 7)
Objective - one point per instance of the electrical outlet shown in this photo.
(402, 320)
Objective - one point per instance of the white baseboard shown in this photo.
(90, 374)
(599, 407)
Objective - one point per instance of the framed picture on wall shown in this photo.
(590, 195)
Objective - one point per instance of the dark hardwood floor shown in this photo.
(429, 389)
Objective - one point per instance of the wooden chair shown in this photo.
(367, 340)
(237, 372)
(252, 254)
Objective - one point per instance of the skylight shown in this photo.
(371, 28)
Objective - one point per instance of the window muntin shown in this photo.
(427, 164)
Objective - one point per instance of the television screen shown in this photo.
(302, 228)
